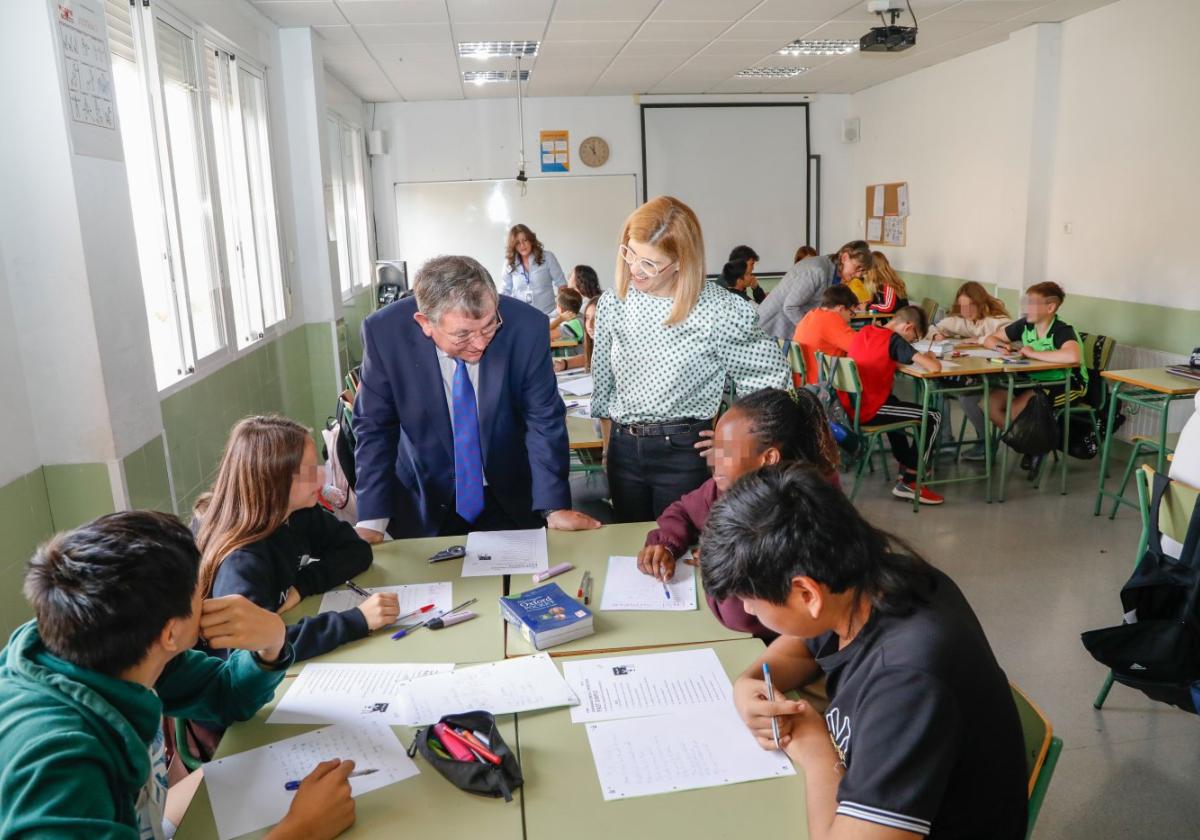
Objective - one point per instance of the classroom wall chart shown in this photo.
(556, 151)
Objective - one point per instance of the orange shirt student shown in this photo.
(825, 329)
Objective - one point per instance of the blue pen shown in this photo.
(294, 784)
(771, 699)
(666, 591)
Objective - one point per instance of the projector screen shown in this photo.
(743, 168)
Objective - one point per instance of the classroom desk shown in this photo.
(984, 369)
(1152, 388)
(858, 320)
(562, 791)
(405, 561)
(422, 806)
(616, 630)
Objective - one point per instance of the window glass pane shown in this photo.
(334, 131)
(137, 140)
(252, 93)
(358, 212)
(185, 141)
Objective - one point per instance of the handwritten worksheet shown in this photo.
(639, 685)
(511, 685)
(691, 749)
(248, 792)
(413, 596)
(505, 553)
(345, 693)
(625, 588)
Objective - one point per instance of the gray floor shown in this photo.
(1039, 569)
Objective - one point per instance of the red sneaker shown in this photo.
(907, 489)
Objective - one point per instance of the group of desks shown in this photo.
(561, 795)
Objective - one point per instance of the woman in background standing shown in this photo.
(531, 273)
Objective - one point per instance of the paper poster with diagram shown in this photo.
(555, 151)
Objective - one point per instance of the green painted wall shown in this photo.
(146, 477)
(25, 522)
(354, 311)
(77, 493)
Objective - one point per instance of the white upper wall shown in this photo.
(19, 455)
(457, 140)
(1126, 168)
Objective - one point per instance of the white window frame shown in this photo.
(195, 369)
(353, 240)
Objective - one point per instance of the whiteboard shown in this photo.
(742, 168)
(579, 218)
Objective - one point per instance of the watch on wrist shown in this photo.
(545, 514)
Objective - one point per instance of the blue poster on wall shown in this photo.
(556, 155)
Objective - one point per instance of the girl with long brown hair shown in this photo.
(888, 292)
(531, 273)
(262, 535)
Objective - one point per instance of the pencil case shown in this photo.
(479, 777)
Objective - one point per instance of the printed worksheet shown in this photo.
(505, 553)
(695, 748)
(413, 596)
(511, 685)
(345, 693)
(625, 588)
(579, 387)
(249, 791)
(640, 685)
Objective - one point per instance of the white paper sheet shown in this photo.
(508, 552)
(625, 588)
(579, 387)
(877, 201)
(511, 685)
(874, 229)
(902, 200)
(345, 693)
(691, 749)
(982, 353)
(638, 685)
(247, 789)
(413, 596)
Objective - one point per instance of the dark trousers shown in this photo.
(904, 450)
(645, 474)
(493, 518)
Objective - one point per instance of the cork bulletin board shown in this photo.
(887, 211)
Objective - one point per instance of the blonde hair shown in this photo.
(670, 226)
(987, 305)
(249, 499)
(881, 275)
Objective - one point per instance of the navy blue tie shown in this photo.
(468, 462)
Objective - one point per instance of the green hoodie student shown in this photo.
(83, 687)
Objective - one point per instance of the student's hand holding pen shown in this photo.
(322, 808)
(656, 561)
(381, 609)
(750, 699)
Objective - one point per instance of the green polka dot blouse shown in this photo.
(646, 372)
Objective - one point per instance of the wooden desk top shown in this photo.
(406, 561)
(976, 366)
(425, 805)
(562, 791)
(563, 343)
(581, 433)
(616, 630)
(1154, 379)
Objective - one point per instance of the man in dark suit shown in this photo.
(458, 419)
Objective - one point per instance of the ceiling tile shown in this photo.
(390, 11)
(726, 10)
(415, 53)
(404, 33)
(557, 88)
(921, 8)
(344, 34)
(530, 30)
(307, 13)
(771, 30)
(806, 10)
(594, 10)
(578, 30)
(643, 46)
(567, 67)
(1061, 10)
(989, 11)
(743, 49)
(681, 30)
(338, 52)
(498, 11)
(583, 49)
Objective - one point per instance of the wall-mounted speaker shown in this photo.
(850, 130)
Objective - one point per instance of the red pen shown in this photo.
(418, 611)
(477, 746)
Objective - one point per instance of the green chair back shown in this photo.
(842, 373)
(796, 362)
(1042, 748)
(1175, 513)
(930, 306)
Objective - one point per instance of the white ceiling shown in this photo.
(388, 50)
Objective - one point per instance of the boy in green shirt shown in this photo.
(83, 687)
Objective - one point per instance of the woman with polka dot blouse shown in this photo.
(666, 343)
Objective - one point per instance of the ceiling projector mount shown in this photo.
(889, 37)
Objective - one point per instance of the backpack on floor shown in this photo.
(1035, 431)
(1157, 649)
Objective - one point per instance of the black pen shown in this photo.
(352, 585)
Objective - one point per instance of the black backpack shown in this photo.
(1157, 649)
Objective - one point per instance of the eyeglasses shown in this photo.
(644, 267)
(463, 338)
